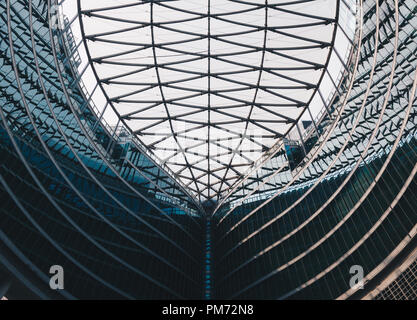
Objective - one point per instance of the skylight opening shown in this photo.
(207, 88)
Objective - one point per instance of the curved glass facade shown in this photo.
(91, 193)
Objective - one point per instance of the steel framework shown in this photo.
(209, 88)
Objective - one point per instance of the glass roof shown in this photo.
(208, 86)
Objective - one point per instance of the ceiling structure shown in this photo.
(209, 86)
